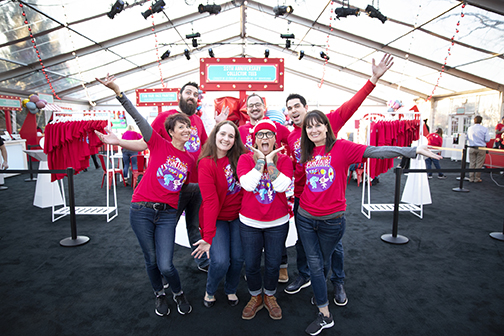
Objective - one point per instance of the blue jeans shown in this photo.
(320, 239)
(428, 165)
(155, 231)
(226, 257)
(253, 241)
(337, 258)
(190, 202)
(127, 154)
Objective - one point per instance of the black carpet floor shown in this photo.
(448, 280)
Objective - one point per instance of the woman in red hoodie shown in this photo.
(265, 175)
(222, 198)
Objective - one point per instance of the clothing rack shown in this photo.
(366, 206)
(110, 211)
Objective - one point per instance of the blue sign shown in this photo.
(158, 97)
(241, 73)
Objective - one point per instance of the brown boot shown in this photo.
(253, 306)
(275, 312)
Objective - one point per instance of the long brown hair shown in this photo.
(307, 146)
(233, 154)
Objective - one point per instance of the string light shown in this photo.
(91, 102)
(443, 67)
(25, 19)
(327, 45)
(157, 50)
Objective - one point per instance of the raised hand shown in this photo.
(222, 116)
(257, 153)
(110, 138)
(381, 68)
(202, 247)
(270, 156)
(109, 81)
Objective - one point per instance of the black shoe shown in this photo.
(442, 177)
(320, 323)
(208, 304)
(183, 305)
(162, 305)
(233, 303)
(203, 268)
(296, 285)
(340, 297)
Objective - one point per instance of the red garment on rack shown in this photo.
(70, 143)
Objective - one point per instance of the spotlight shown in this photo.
(287, 44)
(211, 53)
(266, 53)
(281, 10)
(156, 8)
(193, 37)
(195, 43)
(116, 9)
(324, 56)
(211, 9)
(166, 54)
(300, 54)
(287, 36)
(345, 11)
(375, 13)
(186, 53)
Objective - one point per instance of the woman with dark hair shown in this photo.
(265, 175)
(222, 197)
(321, 214)
(153, 209)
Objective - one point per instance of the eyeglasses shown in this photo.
(268, 135)
(256, 105)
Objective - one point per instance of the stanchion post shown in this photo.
(462, 172)
(30, 166)
(394, 238)
(74, 240)
(498, 235)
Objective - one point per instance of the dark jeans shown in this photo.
(127, 154)
(320, 238)
(226, 257)
(254, 240)
(190, 202)
(428, 165)
(337, 257)
(155, 231)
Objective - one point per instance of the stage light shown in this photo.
(287, 44)
(300, 54)
(375, 13)
(324, 56)
(211, 53)
(186, 53)
(193, 36)
(266, 53)
(166, 54)
(211, 9)
(156, 8)
(345, 11)
(281, 10)
(116, 9)
(287, 36)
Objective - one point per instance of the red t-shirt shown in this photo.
(434, 140)
(326, 175)
(499, 127)
(264, 203)
(197, 140)
(221, 193)
(167, 171)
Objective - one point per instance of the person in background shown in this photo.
(435, 139)
(478, 136)
(499, 135)
(127, 154)
(190, 196)
(5, 164)
(219, 222)
(265, 175)
(297, 108)
(153, 209)
(321, 213)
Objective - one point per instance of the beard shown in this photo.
(186, 108)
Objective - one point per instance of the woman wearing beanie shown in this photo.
(265, 175)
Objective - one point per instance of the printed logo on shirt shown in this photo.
(319, 173)
(172, 174)
(248, 141)
(297, 150)
(233, 185)
(193, 144)
(264, 192)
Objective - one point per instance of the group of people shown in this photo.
(232, 187)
